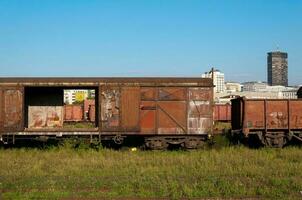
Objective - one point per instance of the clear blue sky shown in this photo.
(148, 37)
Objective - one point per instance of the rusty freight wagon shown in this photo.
(222, 112)
(273, 122)
(161, 111)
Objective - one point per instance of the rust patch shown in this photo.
(13, 108)
(200, 112)
(148, 93)
(110, 108)
(130, 102)
(171, 117)
(277, 115)
(73, 113)
(45, 116)
(171, 93)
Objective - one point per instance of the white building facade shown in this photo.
(218, 80)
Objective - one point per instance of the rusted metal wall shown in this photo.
(130, 102)
(110, 108)
(87, 104)
(176, 110)
(148, 110)
(200, 110)
(172, 117)
(222, 112)
(273, 114)
(254, 114)
(163, 110)
(91, 113)
(1, 110)
(295, 110)
(73, 113)
(148, 117)
(171, 110)
(45, 117)
(276, 115)
(12, 110)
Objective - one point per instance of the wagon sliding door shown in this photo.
(200, 111)
(163, 110)
(171, 110)
(120, 108)
(11, 100)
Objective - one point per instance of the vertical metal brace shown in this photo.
(265, 117)
(288, 115)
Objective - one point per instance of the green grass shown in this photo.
(72, 125)
(233, 172)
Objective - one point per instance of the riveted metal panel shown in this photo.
(1, 110)
(295, 110)
(222, 112)
(201, 93)
(148, 117)
(277, 114)
(73, 113)
(200, 110)
(254, 114)
(130, 102)
(13, 109)
(172, 93)
(148, 93)
(172, 117)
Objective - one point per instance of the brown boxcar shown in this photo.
(222, 112)
(273, 121)
(162, 111)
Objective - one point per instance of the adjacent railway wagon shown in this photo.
(274, 122)
(222, 112)
(161, 111)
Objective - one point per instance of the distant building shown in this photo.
(289, 94)
(277, 68)
(253, 86)
(72, 96)
(270, 92)
(218, 80)
(233, 87)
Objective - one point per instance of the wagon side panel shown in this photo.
(13, 118)
(1, 110)
(295, 111)
(200, 110)
(130, 102)
(253, 114)
(277, 114)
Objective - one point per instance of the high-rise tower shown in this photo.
(277, 68)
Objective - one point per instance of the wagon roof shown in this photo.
(94, 81)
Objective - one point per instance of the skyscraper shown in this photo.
(277, 68)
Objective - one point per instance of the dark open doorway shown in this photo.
(64, 108)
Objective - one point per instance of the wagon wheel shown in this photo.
(193, 143)
(157, 144)
(275, 140)
(118, 139)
